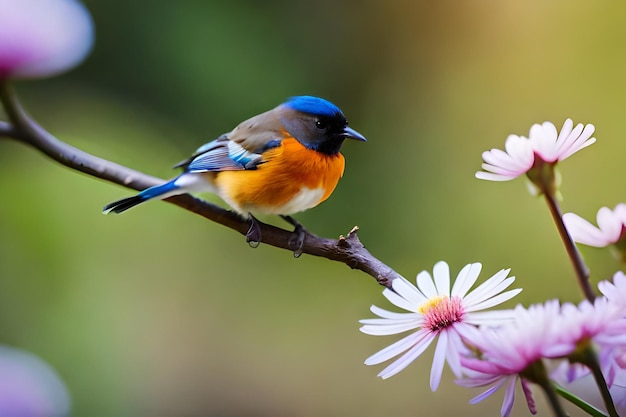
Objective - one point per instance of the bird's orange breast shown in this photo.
(291, 178)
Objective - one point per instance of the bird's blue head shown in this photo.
(317, 123)
(314, 105)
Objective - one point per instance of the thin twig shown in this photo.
(348, 250)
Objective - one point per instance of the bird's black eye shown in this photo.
(320, 124)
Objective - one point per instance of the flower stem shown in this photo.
(537, 373)
(553, 400)
(583, 405)
(582, 272)
(591, 360)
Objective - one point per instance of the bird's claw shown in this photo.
(296, 241)
(253, 236)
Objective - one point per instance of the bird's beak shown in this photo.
(350, 133)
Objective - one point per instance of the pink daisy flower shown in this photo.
(610, 230)
(600, 323)
(508, 351)
(544, 143)
(40, 38)
(437, 312)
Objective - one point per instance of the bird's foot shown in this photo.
(296, 241)
(253, 236)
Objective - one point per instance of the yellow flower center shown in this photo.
(431, 303)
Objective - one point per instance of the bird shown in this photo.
(280, 162)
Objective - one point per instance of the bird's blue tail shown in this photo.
(162, 191)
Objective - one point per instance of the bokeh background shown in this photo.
(160, 313)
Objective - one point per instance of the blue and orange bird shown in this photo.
(281, 162)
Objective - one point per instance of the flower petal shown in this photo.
(509, 398)
(406, 359)
(494, 301)
(504, 166)
(456, 347)
(489, 318)
(441, 272)
(393, 315)
(426, 285)
(397, 348)
(466, 279)
(610, 224)
(405, 289)
(494, 177)
(492, 286)
(398, 301)
(487, 393)
(578, 141)
(439, 359)
(584, 232)
(374, 327)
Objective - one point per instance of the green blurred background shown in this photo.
(158, 312)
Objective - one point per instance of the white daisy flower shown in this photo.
(436, 312)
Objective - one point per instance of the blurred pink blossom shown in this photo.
(41, 38)
(29, 387)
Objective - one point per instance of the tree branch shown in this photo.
(348, 250)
